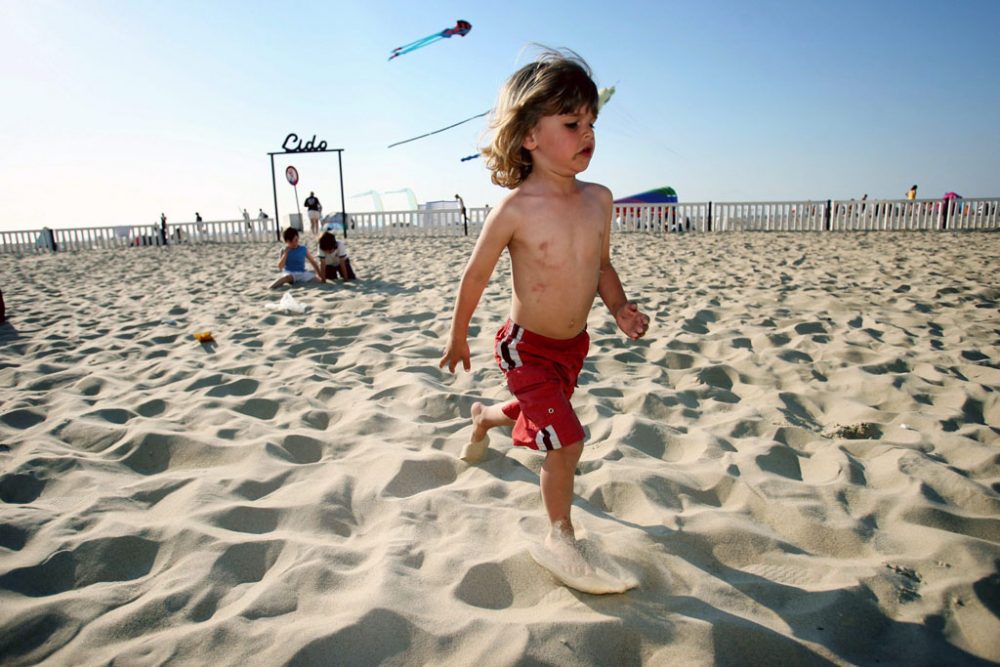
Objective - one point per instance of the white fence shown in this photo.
(85, 238)
(434, 222)
(817, 216)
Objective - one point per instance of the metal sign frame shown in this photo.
(294, 146)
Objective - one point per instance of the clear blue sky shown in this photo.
(114, 111)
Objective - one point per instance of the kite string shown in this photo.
(405, 141)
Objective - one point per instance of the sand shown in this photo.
(799, 464)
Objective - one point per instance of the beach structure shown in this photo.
(666, 217)
(294, 145)
(664, 195)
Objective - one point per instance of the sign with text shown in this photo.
(293, 144)
(292, 174)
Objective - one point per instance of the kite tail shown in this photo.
(413, 46)
(416, 42)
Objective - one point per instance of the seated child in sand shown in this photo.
(292, 262)
(556, 230)
(333, 258)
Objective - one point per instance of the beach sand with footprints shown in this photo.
(800, 463)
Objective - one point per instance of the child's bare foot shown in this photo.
(479, 441)
(486, 417)
(479, 427)
(483, 419)
(562, 545)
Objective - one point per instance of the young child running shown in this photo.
(556, 230)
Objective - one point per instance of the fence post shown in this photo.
(944, 213)
(709, 217)
(826, 216)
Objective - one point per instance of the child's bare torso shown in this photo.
(556, 260)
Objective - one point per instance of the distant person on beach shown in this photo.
(556, 231)
(292, 262)
(333, 257)
(465, 215)
(262, 216)
(315, 210)
(163, 228)
(912, 194)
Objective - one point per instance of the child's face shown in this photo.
(294, 242)
(564, 142)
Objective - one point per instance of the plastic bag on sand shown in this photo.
(288, 304)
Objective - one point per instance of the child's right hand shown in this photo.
(632, 321)
(457, 350)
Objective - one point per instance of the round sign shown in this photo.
(292, 174)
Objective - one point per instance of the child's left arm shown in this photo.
(630, 319)
(312, 261)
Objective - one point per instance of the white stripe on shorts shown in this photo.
(553, 439)
(514, 356)
(509, 345)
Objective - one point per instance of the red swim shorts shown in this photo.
(541, 373)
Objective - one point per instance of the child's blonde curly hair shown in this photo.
(556, 83)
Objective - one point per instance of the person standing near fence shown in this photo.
(912, 194)
(315, 209)
(465, 215)
(163, 228)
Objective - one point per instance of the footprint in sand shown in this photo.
(605, 576)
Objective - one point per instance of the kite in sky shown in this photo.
(460, 28)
